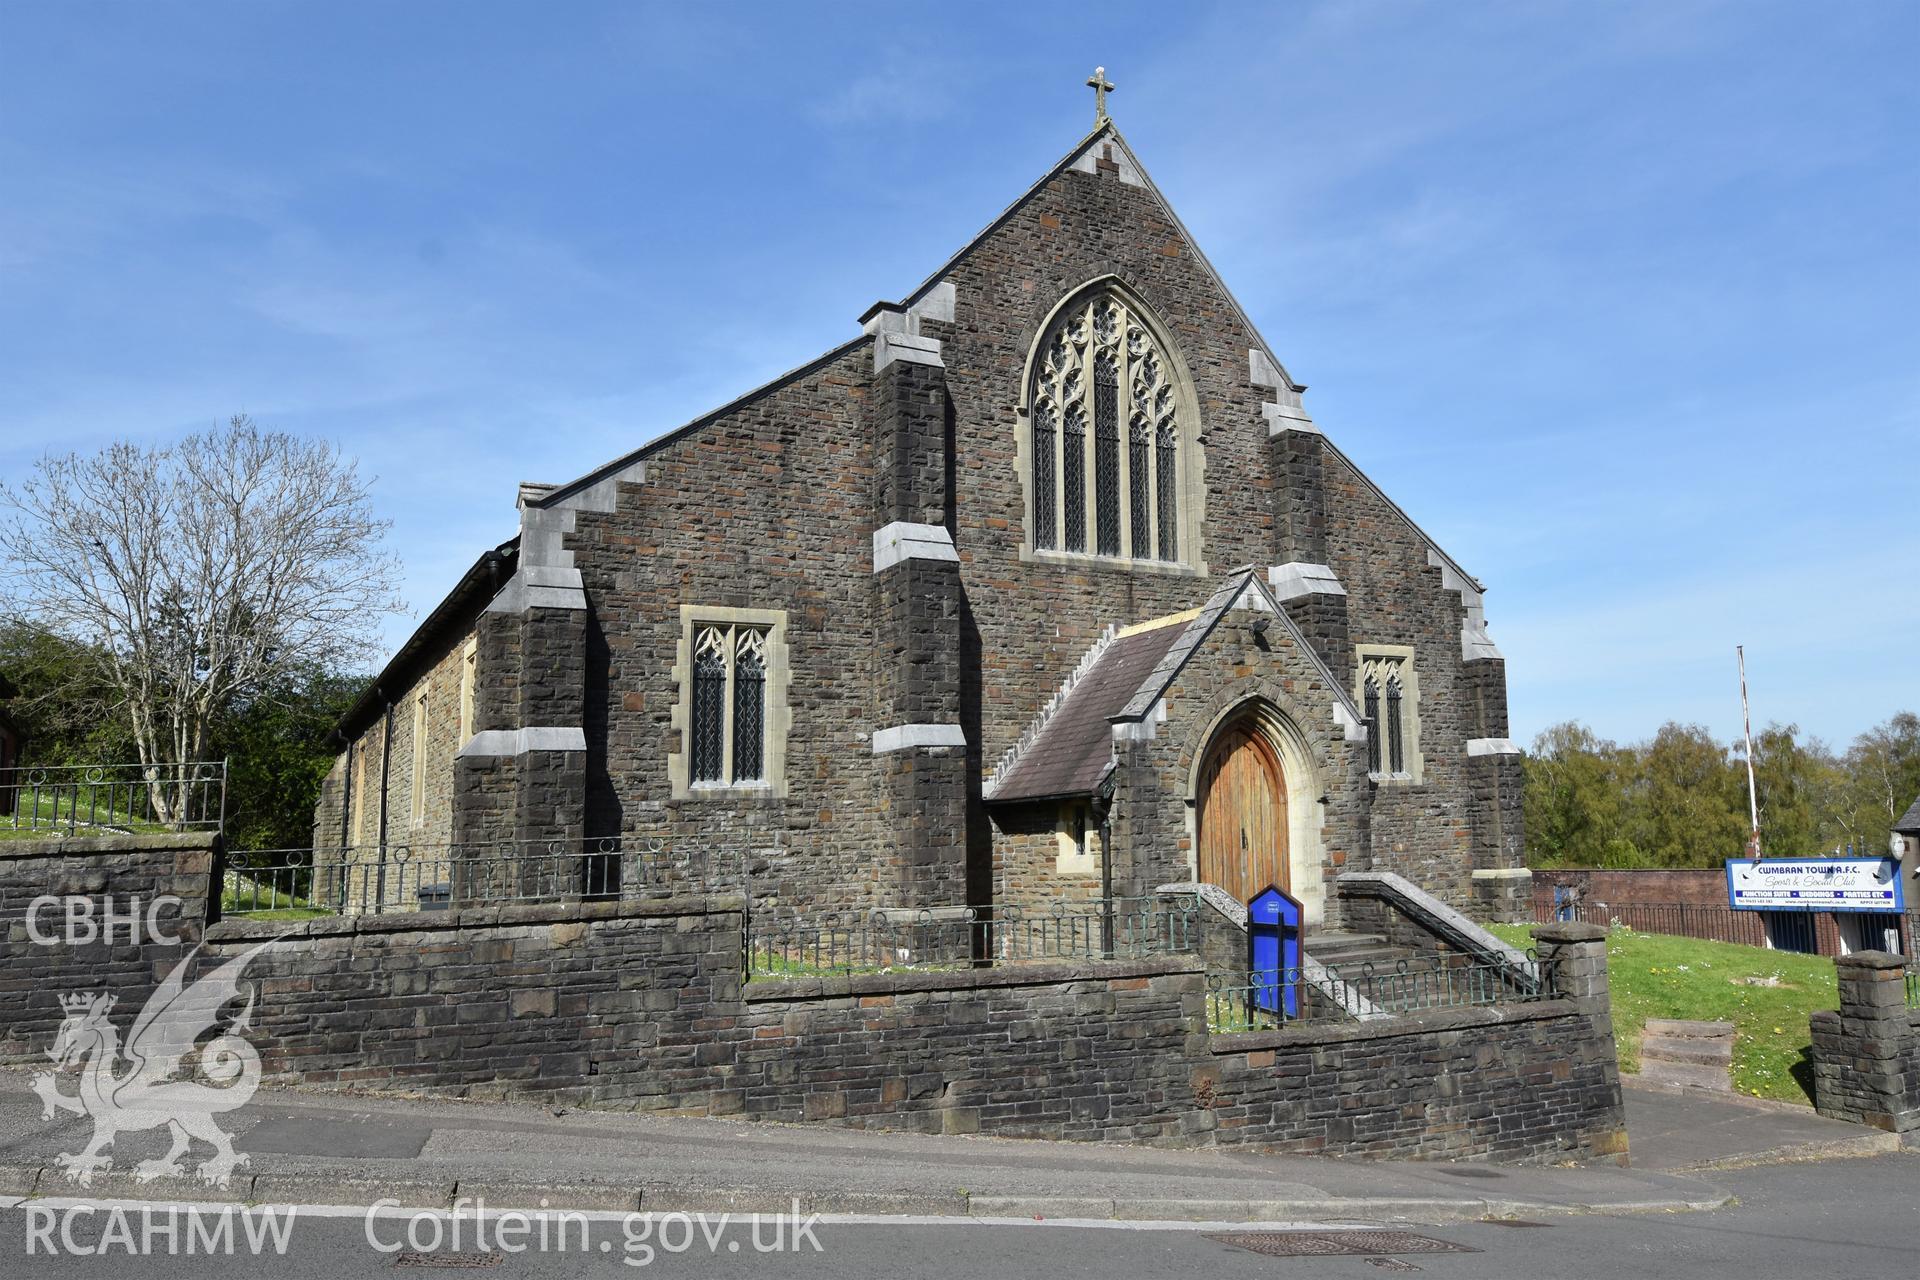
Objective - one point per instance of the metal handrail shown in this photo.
(1259, 1000)
(884, 940)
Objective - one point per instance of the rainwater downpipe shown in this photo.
(1106, 879)
(346, 833)
(386, 769)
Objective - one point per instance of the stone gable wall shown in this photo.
(773, 505)
(769, 507)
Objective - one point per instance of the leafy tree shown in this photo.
(1798, 785)
(1883, 769)
(1576, 796)
(68, 713)
(1694, 813)
(277, 751)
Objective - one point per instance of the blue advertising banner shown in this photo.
(1814, 884)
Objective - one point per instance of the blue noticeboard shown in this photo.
(1273, 945)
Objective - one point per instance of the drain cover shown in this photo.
(1307, 1244)
(1468, 1171)
(451, 1258)
(1392, 1264)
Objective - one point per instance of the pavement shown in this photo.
(1682, 1130)
(329, 1148)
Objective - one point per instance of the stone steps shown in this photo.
(1352, 951)
(1695, 1055)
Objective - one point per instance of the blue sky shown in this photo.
(1618, 300)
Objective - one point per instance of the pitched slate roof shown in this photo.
(1071, 748)
(1909, 823)
(1068, 750)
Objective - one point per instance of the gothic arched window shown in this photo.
(1104, 434)
(710, 706)
(1388, 687)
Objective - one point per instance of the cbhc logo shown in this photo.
(86, 923)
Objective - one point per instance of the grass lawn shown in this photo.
(245, 898)
(51, 814)
(1654, 975)
(764, 966)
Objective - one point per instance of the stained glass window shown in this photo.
(1387, 688)
(1106, 452)
(1396, 755)
(1073, 476)
(1101, 385)
(749, 707)
(1140, 485)
(729, 716)
(709, 706)
(1373, 726)
(1044, 444)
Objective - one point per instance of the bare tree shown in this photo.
(198, 573)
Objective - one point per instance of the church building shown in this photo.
(1044, 584)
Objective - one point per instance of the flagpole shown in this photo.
(1753, 791)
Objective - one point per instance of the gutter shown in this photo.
(477, 585)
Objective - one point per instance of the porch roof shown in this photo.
(1073, 748)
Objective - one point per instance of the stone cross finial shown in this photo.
(1098, 83)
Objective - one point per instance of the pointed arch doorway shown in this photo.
(1243, 813)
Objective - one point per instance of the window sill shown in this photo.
(1395, 779)
(1110, 564)
(730, 791)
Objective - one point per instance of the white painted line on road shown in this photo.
(617, 1215)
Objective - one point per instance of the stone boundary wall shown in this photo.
(113, 874)
(1866, 1054)
(642, 1005)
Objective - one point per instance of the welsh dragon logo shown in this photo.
(133, 1089)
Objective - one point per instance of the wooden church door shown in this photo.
(1243, 814)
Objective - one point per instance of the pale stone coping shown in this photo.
(909, 348)
(1091, 154)
(1475, 643)
(518, 742)
(1330, 1031)
(1503, 873)
(1284, 412)
(904, 540)
(520, 595)
(1352, 728)
(1491, 747)
(902, 737)
(1145, 729)
(56, 844)
(1284, 418)
(890, 317)
(1297, 578)
(1418, 902)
